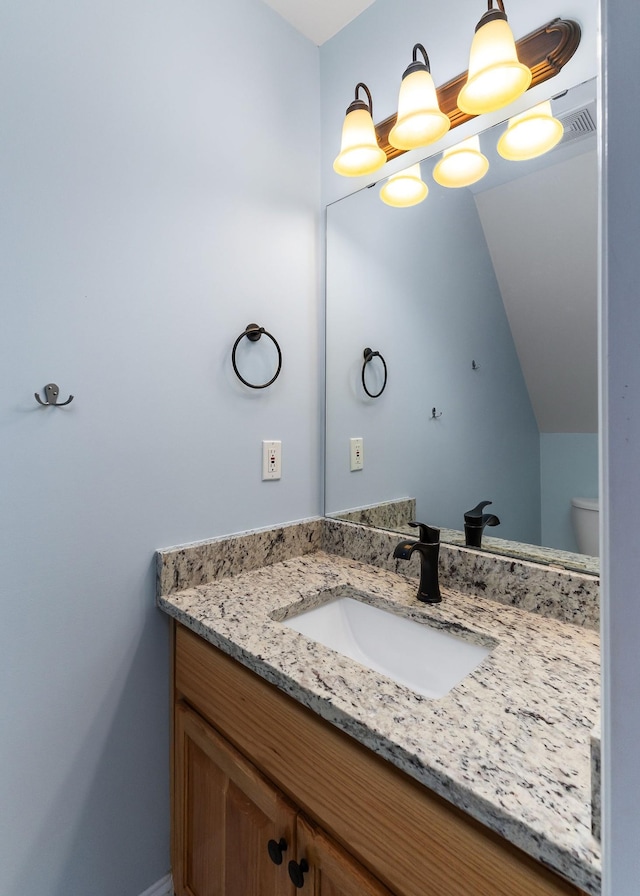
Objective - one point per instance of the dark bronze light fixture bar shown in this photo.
(546, 51)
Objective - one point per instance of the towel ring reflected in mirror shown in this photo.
(253, 332)
(369, 355)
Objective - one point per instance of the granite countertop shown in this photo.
(395, 515)
(510, 745)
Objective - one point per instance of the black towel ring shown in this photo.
(254, 332)
(369, 356)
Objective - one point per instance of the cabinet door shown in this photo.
(225, 814)
(331, 870)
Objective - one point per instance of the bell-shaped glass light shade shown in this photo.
(420, 121)
(496, 77)
(461, 165)
(405, 188)
(359, 150)
(530, 134)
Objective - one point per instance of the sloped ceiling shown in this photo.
(541, 230)
(319, 20)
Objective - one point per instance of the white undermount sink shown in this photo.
(428, 660)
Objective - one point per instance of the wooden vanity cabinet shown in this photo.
(250, 765)
(332, 870)
(226, 816)
(235, 833)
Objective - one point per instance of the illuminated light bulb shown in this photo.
(461, 165)
(419, 121)
(359, 150)
(405, 188)
(530, 134)
(496, 77)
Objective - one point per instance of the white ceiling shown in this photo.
(319, 19)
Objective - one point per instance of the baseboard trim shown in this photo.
(162, 887)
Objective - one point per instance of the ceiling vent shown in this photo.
(579, 124)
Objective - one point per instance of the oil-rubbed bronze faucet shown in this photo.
(429, 549)
(475, 521)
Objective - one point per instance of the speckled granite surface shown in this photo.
(203, 561)
(568, 596)
(596, 780)
(396, 515)
(386, 515)
(510, 745)
(531, 552)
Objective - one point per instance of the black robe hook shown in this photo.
(51, 392)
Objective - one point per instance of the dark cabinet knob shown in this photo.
(276, 850)
(296, 872)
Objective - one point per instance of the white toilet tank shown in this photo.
(584, 516)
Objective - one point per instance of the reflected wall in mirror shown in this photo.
(483, 302)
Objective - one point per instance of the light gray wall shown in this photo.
(160, 190)
(418, 285)
(620, 449)
(568, 469)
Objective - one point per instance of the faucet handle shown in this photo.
(428, 534)
(474, 516)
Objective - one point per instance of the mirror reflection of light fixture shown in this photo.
(495, 77)
(530, 134)
(405, 188)
(359, 150)
(462, 164)
(420, 121)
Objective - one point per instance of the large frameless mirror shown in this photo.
(482, 301)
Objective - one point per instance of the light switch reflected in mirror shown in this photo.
(484, 303)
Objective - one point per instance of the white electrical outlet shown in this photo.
(356, 447)
(271, 460)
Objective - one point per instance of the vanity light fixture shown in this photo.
(359, 150)
(462, 164)
(533, 59)
(404, 188)
(531, 134)
(496, 77)
(420, 121)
